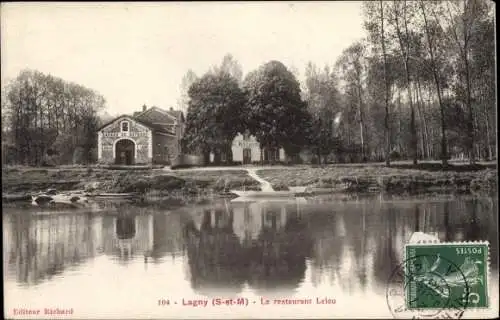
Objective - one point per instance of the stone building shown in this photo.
(152, 136)
(246, 150)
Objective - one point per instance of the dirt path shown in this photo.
(252, 172)
(264, 185)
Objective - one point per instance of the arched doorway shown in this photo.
(247, 156)
(125, 152)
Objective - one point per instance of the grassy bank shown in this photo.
(403, 178)
(161, 183)
(157, 182)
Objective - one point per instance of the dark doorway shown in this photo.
(247, 156)
(271, 155)
(166, 155)
(125, 152)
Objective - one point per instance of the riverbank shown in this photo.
(99, 180)
(158, 183)
(394, 179)
(383, 179)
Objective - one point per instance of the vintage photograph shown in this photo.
(237, 160)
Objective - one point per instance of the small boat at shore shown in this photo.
(297, 199)
(293, 192)
(254, 194)
(63, 198)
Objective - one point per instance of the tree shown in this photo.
(401, 18)
(187, 80)
(214, 115)
(322, 98)
(433, 32)
(351, 65)
(231, 66)
(463, 17)
(375, 24)
(274, 107)
(42, 108)
(483, 82)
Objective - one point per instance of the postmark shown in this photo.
(439, 280)
(411, 272)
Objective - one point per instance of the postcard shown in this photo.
(236, 160)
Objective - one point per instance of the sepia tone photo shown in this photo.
(236, 160)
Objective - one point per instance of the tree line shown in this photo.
(48, 121)
(420, 86)
(436, 59)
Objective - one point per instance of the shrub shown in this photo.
(280, 187)
(78, 155)
(167, 183)
(49, 161)
(140, 186)
(394, 155)
(222, 184)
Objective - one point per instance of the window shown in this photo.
(273, 154)
(124, 126)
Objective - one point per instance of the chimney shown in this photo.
(144, 108)
(171, 109)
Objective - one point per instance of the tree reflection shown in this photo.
(40, 248)
(417, 218)
(215, 256)
(277, 258)
(472, 227)
(447, 226)
(218, 258)
(167, 236)
(125, 227)
(464, 220)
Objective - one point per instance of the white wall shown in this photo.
(239, 144)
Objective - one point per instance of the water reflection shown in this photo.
(40, 248)
(267, 247)
(127, 235)
(264, 245)
(215, 256)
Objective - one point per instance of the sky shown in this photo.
(138, 53)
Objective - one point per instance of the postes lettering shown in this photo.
(468, 250)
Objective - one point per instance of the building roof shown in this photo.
(175, 114)
(178, 114)
(155, 127)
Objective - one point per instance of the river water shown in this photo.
(121, 260)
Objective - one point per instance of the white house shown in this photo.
(246, 149)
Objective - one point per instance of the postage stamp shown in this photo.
(440, 280)
(444, 275)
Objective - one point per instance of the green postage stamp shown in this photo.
(446, 275)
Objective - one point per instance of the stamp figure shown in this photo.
(447, 275)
